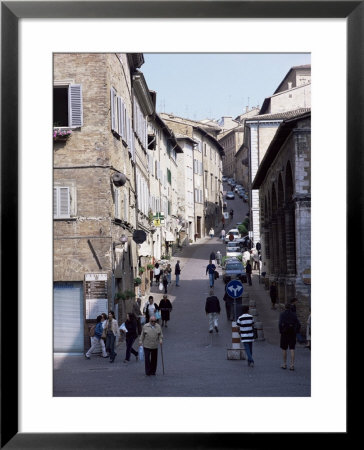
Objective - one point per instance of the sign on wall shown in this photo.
(158, 219)
(96, 294)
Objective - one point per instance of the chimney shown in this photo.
(246, 109)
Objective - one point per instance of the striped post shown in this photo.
(235, 352)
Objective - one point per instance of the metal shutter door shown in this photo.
(68, 317)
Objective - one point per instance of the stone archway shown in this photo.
(282, 253)
(290, 227)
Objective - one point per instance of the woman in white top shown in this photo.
(150, 309)
(102, 341)
(157, 273)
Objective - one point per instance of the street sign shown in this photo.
(158, 219)
(235, 288)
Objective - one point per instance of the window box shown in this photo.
(61, 134)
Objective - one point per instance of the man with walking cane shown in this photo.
(150, 337)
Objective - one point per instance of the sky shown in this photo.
(211, 85)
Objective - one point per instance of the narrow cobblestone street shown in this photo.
(195, 361)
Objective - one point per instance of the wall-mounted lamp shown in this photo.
(119, 179)
(123, 240)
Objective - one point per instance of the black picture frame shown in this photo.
(11, 12)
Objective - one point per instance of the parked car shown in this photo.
(245, 197)
(234, 232)
(224, 179)
(233, 250)
(230, 196)
(233, 269)
(238, 187)
(241, 194)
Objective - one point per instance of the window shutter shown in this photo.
(126, 207)
(75, 105)
(112, 109)
(120, 116)
(61, 202)
(55, 202)
(117, 208)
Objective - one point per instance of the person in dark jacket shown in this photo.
(210, 269)
(273, 292)
(229, 306)
(212, 309)
(177, 272)
(288, 327)
(165, 307)
(132, 327)
(248, 270)
(165, 281)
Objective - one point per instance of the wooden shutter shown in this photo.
(75, 105)
(117, 204)
(61, 202)
(112, 109)
(120, 118)
(126, 207)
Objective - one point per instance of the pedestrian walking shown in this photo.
(165, 307)
(96, 333)
(131, 335)
(165, 281)
(288, 326)
(212, 257)
(169, 273)
(138, 314)
(223, 235)
(248, 270)
(150, 309)
(246, 256)
(211, 233)
(293, 303)
(229, 305)
(210, 270)
(246, 324)
(231, 214)
(212, 309)
(255, 255)
(218, 258)
(177, 272)
(273, 292)
(112, 332)
(157, 273)
(103, 337)
(150, 338)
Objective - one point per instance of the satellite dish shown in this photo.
(139, 236)
(119, 179)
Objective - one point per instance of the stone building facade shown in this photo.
(259, 132)
(205, 146)
(283, 181)
(95, 213)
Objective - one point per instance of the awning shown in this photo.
(170, 237)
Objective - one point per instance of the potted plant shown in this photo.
(137, 281)
(141, 270)
(150, 266)
(61, 134)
